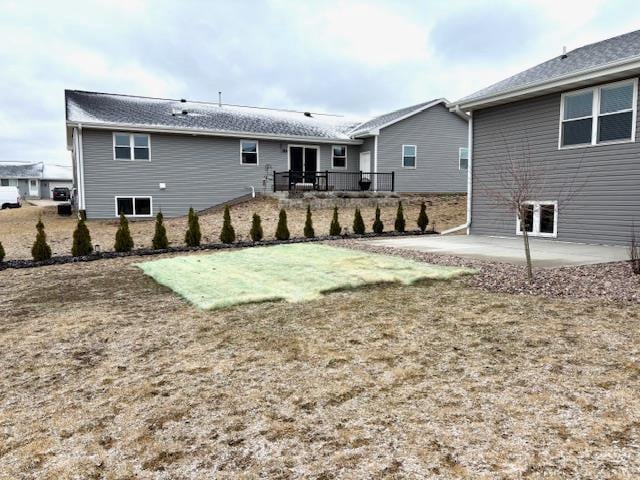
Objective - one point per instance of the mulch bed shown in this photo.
(610, 282)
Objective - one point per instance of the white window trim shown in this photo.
(134, 197)
(257, 153)
(333, 157)
(415, 156)
(595, 114)
(131, 146)
(536, 219)
(460, 157)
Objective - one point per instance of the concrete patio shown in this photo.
(545, 253)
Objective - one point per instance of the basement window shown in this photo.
(599, 115)
(134, 206)
(339, 156)
(248, 152)
(540, 219)
(128, 146)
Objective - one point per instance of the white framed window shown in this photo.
(249, 152)
(134, 206)
(599, 115)
(409, 153)
(463, 158)
(540, 219)
(339, 156)
(9, 182)
(131, 146)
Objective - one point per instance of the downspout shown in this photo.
(76, 160)
(375, 162)
(467, 224)
(81, 203)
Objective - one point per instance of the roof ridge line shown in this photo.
(206, 103)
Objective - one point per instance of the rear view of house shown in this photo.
(138, 155)
(573, 120)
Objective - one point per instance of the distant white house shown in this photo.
(35, 180)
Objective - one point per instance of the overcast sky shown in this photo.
(353, 57)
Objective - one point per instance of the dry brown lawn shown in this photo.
(105, 374)
(17, 227)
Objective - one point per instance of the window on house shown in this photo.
(539, 219)
(248, 152)
(339, 156)
(131, 146)
(4, 182)
(599, 115)
(409, 156)
(463, 158)
(616, 113)
(134, 206)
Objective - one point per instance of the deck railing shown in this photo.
(325, 181)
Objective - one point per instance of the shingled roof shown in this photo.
(143, 112)
(601, 54)
(25, 170)
(40, 170)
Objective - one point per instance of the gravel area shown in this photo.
(609, 282)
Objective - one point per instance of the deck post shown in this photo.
(393, 180)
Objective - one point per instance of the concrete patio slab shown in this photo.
(545, 253)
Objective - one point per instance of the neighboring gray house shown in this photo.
(573, 118)
(35, 180)
(139, 155)
(423, 144)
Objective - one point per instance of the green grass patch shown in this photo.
(297, 272)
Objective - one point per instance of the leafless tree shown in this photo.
(634, 250)
(516, 180)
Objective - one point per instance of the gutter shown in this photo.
(467, 224)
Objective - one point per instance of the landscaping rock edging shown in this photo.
(143, 252)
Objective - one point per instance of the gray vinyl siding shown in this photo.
(437, 134)
(604, 179)
(23, 188)
(368, 146)
(198, 171)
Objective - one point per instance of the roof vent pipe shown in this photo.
(564, 53)
(183, 100)
(307, 114)
(219, 99)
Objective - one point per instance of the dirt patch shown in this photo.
(17, 227)
(104, 374)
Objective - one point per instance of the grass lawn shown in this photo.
(106, 374)
(295, 273)
(17, 227)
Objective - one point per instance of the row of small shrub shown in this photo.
(82, 245)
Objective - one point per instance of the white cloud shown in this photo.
(364, 33)
(352, 57)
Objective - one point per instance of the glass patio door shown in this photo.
(303, 163)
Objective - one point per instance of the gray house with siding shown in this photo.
(139, 155)
(572, 119)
